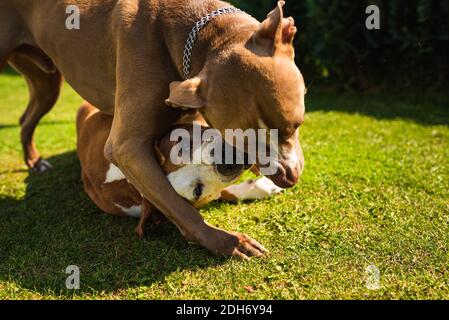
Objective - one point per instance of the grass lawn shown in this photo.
(374, 192)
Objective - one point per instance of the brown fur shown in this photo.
(126, 59)
(93, 127)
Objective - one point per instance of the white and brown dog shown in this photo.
(199, 184)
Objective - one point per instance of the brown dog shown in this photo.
(199, 184)
(127, 58)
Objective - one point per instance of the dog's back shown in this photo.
(102, 180)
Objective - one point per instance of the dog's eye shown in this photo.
(198, 191)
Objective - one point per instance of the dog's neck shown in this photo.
(220, 32)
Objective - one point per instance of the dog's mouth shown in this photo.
(286, 176)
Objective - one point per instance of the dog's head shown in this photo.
(199, 183)
(254, 84)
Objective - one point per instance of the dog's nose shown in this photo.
(286, 177)
(292, 175)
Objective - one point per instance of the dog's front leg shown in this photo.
(132, 134)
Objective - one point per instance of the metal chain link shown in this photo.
(187, 57)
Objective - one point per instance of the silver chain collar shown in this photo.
(187, 57)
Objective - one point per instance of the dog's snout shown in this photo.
(292, 175)
(287, 176)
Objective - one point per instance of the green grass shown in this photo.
(374, 191)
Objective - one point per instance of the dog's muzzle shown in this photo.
(289, 170)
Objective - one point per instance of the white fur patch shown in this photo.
(114, 174)
(292, 159)
(185, 179)
(134, 211)
(255, 189)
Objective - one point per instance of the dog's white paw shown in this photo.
(254, 189)
(42, 166)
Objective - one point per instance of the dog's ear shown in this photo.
(277, 30)
(185, 94)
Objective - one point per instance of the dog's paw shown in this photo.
(248, 247)
(254, 189)
(42, 166)
(265, 188)
(227, 243)
(269, 187)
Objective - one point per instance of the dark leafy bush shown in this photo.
(411, 48)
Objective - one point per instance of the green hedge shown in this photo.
(411, 48)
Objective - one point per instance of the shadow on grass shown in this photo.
(55, 225)
(429, 108)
